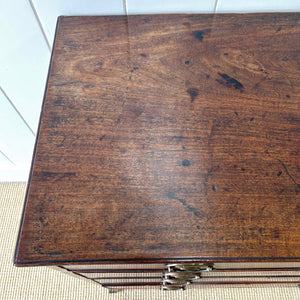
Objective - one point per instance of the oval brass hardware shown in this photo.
(195, 267)
(178, 276)
(167, 281)
(173, 287)
(182, 275)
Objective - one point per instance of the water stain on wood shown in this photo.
(199, 34)
(230, 82)
(186, 163)
(288, 173)
(172, 196)
(193, 92)
(102, 137)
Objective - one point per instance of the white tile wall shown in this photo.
(27, 29)
(24, 58)
(49, 10)
(249, 6)
(170, 6)
(16, 143)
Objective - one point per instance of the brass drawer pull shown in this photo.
(195, 267)
(178, 276)
(182, 275)
(168, 281)
(173, 287)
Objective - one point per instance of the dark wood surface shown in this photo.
(167, 137)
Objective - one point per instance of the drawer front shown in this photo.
(187, 275)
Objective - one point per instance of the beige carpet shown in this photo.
(47, 283)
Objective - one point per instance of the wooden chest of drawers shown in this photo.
(168, 152)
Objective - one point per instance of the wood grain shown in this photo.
(168, 137)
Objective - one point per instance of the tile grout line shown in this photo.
(40, 24)
(7, 157)
(125, 7)
(216, 6)
(16, 110)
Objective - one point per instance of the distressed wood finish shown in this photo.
(168, 137)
